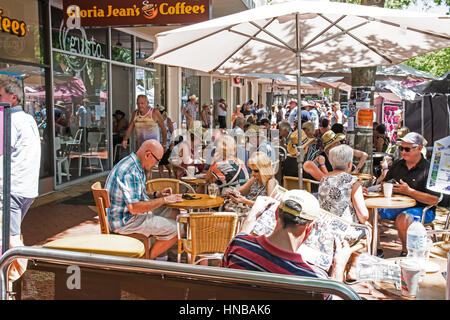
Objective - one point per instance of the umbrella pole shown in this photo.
(299, 99)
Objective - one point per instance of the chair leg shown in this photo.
(58, 169)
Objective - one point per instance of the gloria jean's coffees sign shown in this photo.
(136, 12)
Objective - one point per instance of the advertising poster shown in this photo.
(391, 116)
(439, 173)
(364, 118)
(359, 99)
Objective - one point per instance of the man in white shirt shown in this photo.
(222, 114)
(25, 164)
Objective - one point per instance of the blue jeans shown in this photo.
(391, 214)
(19, 208)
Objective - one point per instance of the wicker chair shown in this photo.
(208, 235)
(162, 183)
(291, 183)
(102, 202)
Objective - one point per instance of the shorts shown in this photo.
(18, 210)
(391, 214)
(149, 224)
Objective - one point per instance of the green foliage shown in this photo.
(437, 62)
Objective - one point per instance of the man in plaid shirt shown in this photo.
(132, 209)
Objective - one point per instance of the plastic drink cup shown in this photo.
(387, 189)
(190, 171)
(213, 190)
(410, 277)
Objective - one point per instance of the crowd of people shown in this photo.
(244, 162)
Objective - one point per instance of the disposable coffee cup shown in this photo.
(410, 278)
(387, 189)
(190, 171)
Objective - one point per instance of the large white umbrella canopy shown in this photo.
(332, 35)
(302, 35)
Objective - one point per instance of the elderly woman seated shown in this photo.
(227, 170)
(340, 192)
(261, 183)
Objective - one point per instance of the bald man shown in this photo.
(132, 209)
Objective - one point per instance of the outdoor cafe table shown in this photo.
(432, 286)
(375, 203)
(363, 176)
(202, 201)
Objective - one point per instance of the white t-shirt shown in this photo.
(25, 154)
(220, 111)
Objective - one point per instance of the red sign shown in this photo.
(136, 12)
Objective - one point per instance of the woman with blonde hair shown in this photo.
(227, 170)
(261, 183)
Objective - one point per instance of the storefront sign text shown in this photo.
(137, 12)
(13, 26)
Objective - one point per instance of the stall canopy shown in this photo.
(428, 112)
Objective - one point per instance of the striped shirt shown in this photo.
(126, 185)
(258, 254)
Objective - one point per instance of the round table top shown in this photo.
(395, 202)
(363, 176)
(432, 286)
(203, 201)
(111, 244)
(195, 181)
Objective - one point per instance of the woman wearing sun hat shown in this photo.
(290, 165)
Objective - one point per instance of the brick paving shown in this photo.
(49, 219)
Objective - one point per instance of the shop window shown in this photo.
(144, 49)
(24, 42)
(86, 41)
(81, 126)
(32, 80)
(121, 46)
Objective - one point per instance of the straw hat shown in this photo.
(193, 97)
(59, 103)
(329, 138)
(293, 141)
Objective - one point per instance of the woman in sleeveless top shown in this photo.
(261, 183)
(341, 193)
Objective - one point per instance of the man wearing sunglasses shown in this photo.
(132, 210)
(411, 173)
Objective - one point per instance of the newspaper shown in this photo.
(266, 222)
(318, 248)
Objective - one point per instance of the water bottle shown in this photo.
(416, 241)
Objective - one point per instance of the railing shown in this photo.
(195, 272)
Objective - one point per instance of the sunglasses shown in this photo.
(255, 170)
(157, 160)
(407, 149)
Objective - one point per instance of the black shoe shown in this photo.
(380, 253)
(403, 254)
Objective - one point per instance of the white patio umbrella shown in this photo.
(300, 37)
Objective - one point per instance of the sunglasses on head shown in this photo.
(407, 149)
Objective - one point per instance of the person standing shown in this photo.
(190, 111)
(148, 123)
(83, 115)
(206, 116)
(25, 165)
(222, 113)
(168, 123)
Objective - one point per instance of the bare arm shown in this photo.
(162, 127)
(362, 158)
(245, 189)
(129, 130)
(358, 203)
(145, 206)
(404, 188)
(313, 170)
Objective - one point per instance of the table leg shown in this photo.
(375, 231)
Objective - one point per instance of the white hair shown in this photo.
(340, 156)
